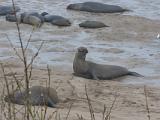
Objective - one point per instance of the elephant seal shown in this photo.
(4, 10)
(32, 20)
(12, 18)
(40, 16)
(57, 20)
(90, 70)
(38, 95)
(44, 13)
(96, 7)
(92, 24)
(61, 22)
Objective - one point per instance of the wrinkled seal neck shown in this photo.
(80, 56)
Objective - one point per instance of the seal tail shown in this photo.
(135, 74)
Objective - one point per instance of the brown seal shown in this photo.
(38, 95)
(96, 71)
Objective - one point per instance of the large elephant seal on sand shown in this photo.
(96, 7)
(38, 95)
(95, 71)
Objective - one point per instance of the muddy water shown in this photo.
(61, 43)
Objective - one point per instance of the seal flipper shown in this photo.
(50, 103)
(82, 75)
(94, 76)
(135, 74)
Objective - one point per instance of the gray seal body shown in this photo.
(32, 18)
(92, 24)
(96, 71)
(38, 95)
(96, 7)
(57, 20)
(40, 16)
(4, 10)
(12, 18)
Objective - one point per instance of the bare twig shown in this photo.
(48, 92)
(19, 84)
(36, 54)
(69, 111)
(80, 117)
(51, 116)
(49, 76)
(16, 52)
(147, 106)
(8, 92)
(103, 113)
(28, 41)
(24, 61)
(90, 105)
(30, 72)
(110, 109)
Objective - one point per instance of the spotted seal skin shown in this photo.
(96, 7)
(4, 10)
(92, 24)
(38, 95)
(91, 70)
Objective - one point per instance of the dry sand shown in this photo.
(130, 103)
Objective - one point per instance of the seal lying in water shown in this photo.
(92, 24)
(36, 14)
(95, 71)
(96, 7)
(37, 96)
(57, 20)
(32, 18)
(4, 10)
(12, 18)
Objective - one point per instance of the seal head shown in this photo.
(82, 51)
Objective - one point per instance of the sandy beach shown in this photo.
(130, 41)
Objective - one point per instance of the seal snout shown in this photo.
(70, 6)
(82, 49)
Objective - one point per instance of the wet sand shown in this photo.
(129, 41)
